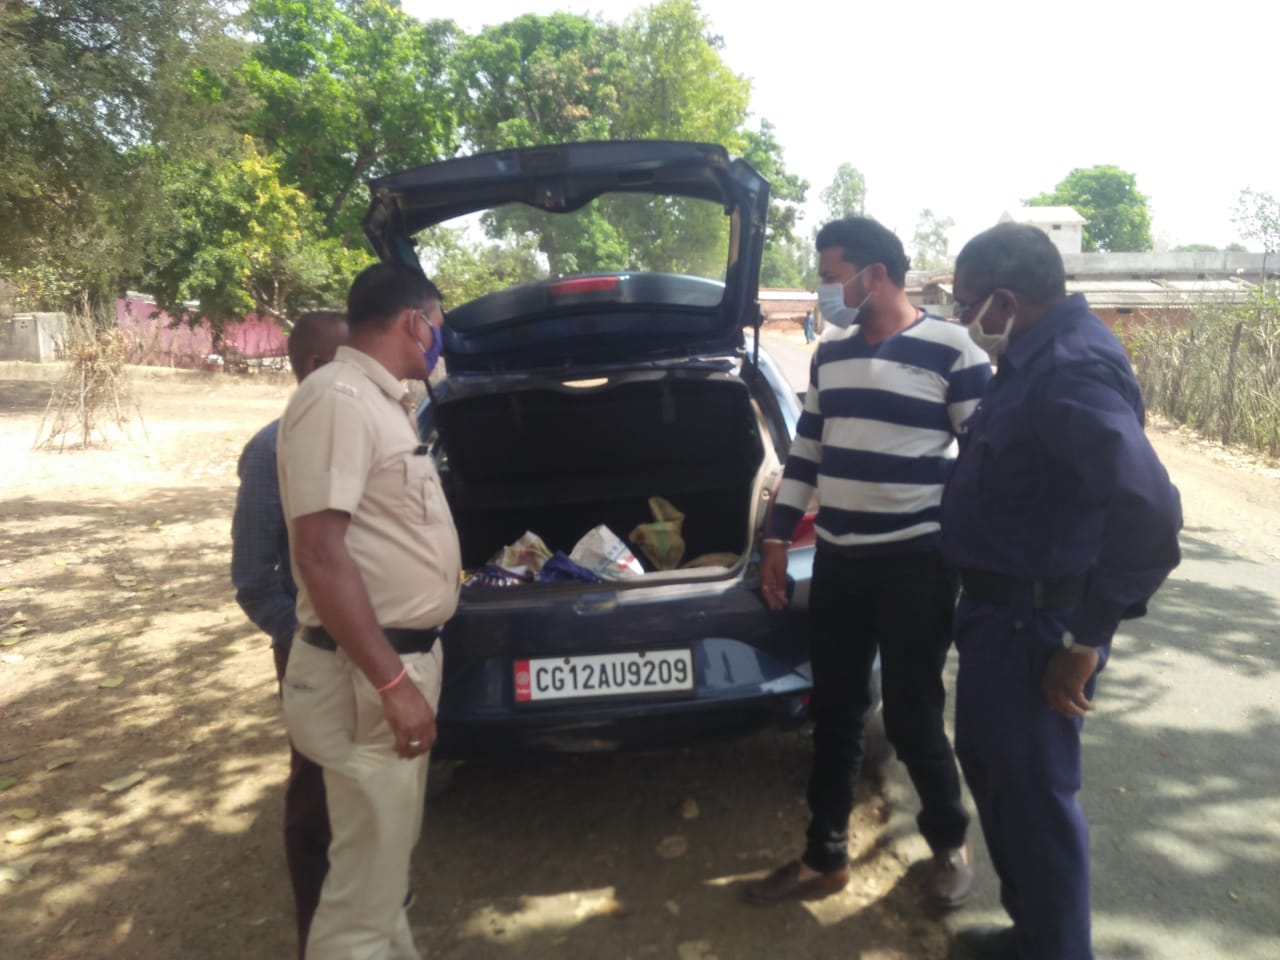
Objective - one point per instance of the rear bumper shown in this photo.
(738, 689)
(655, 727)
(750, 665)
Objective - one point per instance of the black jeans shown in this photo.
(902, 605)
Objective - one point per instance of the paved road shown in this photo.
(1182, 755)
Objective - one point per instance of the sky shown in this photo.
(968, 108)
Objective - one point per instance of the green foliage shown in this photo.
(242, 241)
(465, 271)
(786, 261)
(82, 84)
(1109, 199)
(217, 150)
(846, 195)
(930, 241)
(347, 90)
(537, 80)
(1195, 248)
(675, 86)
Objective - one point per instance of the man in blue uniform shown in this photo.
(1062, 522)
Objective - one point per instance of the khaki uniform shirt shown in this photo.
(347, 443)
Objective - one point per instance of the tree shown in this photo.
(1109, 199)
(673, 84)
(846, 195)
(1257, 214)
(930, 241)
(1195, 248)
(786, 260)
(84, 84)
(466, 271)
(543, 80)
(241, 241)
(348, 90)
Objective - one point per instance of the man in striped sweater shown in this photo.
(890, 390)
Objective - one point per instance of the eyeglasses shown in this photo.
(959, 309)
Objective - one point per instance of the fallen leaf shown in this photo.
(157, 525)
(1233, 895)
(689, 809)
(60, 763)
(18, 617)
(673, 908)
(23, 835)
(120, 784)
(25, 813)
(7, 781)
(111, 683)
(669, 848)
(12, 640)
(232, 649)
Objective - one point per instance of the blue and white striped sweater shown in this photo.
(878, 436)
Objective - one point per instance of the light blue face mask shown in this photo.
(831, 302)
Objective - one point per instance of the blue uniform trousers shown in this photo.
(1022, 763)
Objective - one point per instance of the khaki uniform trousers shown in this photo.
(375, 799)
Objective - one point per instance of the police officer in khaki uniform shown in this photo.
(377, 561)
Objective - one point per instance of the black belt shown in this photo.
(404, 641)
(982, 586)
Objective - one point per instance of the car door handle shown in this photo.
(594, 603)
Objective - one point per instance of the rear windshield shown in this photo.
(620, 233)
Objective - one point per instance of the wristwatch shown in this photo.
(1070, 644)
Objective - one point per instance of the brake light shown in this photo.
(562, 288)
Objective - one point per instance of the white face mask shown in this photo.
(994, 343)
(831, 302)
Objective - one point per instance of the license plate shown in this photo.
(604, 675)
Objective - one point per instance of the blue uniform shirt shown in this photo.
(260, 542)
(1056, 477)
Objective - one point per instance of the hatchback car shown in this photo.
(626, 367)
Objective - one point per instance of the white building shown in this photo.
(1064, 226)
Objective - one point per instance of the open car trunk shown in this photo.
(558, 460)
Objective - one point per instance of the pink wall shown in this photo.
(152, 341)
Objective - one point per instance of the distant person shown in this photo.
(266, 592)
(377, 557)
(808, 327)
(890, 389)
(1061, 522)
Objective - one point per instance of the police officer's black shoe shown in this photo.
(989, 942)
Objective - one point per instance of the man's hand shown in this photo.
(773, 574)
(1064, 680)
(411, 719)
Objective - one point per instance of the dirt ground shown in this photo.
(126, 658)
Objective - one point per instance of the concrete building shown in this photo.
(1064, 226)
(32, 336)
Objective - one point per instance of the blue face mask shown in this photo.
(831, 302)
(432, 353)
